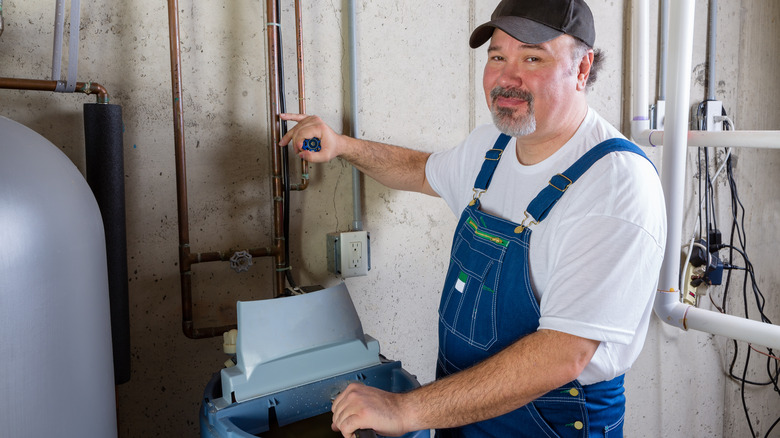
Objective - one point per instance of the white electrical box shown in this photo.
(349, 254)
(714, 109)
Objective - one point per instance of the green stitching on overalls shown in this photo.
(486, 236)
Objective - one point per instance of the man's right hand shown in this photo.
(308, 127)
(395, 167)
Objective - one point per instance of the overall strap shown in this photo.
(546, 199)
(491, 162)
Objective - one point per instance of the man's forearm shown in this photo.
(393, 166)
(524, 371)
(396, 167)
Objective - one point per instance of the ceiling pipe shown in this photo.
(667, 303)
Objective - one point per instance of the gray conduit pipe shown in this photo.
(664, 49)
(357, 207)
(711, 48)
(2, 25)
(59, 28)
(73, 46)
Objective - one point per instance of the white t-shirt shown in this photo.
(595, 259)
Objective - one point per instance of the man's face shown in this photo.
(528, 86)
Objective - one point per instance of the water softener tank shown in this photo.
(56, 369)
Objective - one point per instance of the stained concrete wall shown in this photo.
(420, 86)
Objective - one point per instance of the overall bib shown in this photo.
(488, 303)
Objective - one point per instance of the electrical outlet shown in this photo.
(349, 254)
(689, 291)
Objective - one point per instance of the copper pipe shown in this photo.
(186, 257)
(301, 90)
(185, 271)
(272, 31)
(224, 256)
(43, 85)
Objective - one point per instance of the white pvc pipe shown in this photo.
(667, 303)
(640, 132)
(720, 139)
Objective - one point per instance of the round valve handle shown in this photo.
(312, 144)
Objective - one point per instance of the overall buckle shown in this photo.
(523, 226)
(477, 194)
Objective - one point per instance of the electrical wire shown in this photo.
(285, 160)
(736, 248)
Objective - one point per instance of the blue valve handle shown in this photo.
(312, 144)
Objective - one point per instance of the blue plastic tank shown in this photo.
(299, 412)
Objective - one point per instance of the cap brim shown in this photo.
(521, 29)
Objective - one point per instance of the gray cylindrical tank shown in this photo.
(56, 370)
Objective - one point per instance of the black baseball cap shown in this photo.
(537, 21)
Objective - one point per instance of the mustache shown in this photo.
(511, 93)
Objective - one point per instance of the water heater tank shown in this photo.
(56, 370)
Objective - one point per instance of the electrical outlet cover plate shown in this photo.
(349, 254)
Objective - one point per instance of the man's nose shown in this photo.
(510, 77)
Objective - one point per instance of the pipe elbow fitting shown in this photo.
(669, 309)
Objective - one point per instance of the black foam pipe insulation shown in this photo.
(103, 130)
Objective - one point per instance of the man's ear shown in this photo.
(583, 71)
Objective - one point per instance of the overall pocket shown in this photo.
(468, 304)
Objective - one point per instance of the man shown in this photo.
(531, 343)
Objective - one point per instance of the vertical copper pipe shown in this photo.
(185, 270)
(272, 31)
(301, 89)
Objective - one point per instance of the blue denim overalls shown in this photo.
(488, 303)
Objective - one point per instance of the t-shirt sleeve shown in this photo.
(605, 262)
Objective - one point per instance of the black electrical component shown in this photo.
(713, 274)
(715, 240)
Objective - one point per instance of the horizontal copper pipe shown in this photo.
(43, 85)
(219, 256)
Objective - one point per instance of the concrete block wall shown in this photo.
(420, 86)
